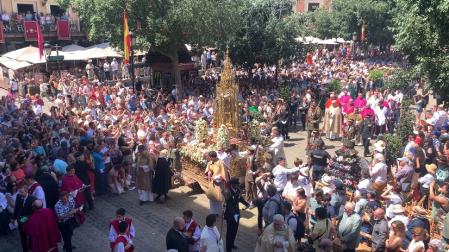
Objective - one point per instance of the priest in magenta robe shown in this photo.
(42, 229)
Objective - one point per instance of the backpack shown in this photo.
(278, 203)
(300, 229)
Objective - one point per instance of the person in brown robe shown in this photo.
(216, 174)
(145, 163)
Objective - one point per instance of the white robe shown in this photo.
(278, 148)
(210, 237)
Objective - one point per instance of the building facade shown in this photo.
(46, 13)
(311, 5)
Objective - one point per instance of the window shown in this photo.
(313, 6)
(56, 10)
(25, 8)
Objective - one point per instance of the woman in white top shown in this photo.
(291, 187)
(417, 244)
(392, 197)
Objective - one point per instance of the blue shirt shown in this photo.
(98, 161)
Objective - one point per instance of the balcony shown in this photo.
(14, 30)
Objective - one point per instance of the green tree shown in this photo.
(266, 34)
(420, 28)
(162, 25)
(348, 16)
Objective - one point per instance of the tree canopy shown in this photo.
(421, 35)
(266, 34)
(348, 16)
(162, 25)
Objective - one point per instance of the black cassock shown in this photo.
(162, 176)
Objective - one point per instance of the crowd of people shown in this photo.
(98, 138)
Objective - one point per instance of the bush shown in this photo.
(334, 86)
(402, 79)
(393, 148)
(377, 76)
(284, 92)
(406, 120)
(258, 116)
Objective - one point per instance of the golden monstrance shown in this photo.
(226, 100)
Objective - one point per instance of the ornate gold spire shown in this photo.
(226, 73)
(226, 100)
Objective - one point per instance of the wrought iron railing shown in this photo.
(17, 27)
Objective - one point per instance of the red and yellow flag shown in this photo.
(126, 39)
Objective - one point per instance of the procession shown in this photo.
(329, 147)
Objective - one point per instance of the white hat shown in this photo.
(398, 209)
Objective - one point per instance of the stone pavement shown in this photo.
(152, 221)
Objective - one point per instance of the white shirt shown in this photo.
(280, 176)
(113, 235)
(114, 65)
(379, 173)
(40, 195)
(277, 147)
(223, 156)
(363, 186)
(290, 189)
(380, 115)
(426, 180)
(5, 17)
(210, 237)
(106, 67)
(14, 85)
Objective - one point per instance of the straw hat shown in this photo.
(398, 209)
(431, 168)
(163, 153)
(326, 180)
(419, 212)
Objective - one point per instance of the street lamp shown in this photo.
(48, 48)
(354, 39)
(133, 45)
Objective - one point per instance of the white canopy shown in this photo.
(13, 64)
(73, 48)
(29, 54)
(313, 40)
(102, 50)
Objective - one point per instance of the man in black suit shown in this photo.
(175, 237)
(23, 209)
(232, 213)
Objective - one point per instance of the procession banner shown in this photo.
(30, 29)
(2, 36)
(63, 30)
